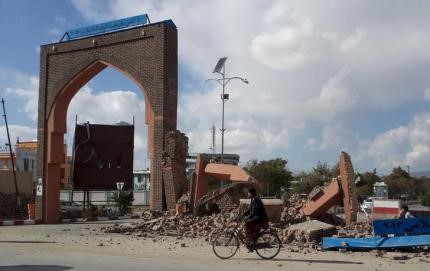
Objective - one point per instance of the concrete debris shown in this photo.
(291, 213)
(223, 199)
(398, 256)
(308, 232)
(178, 226)
(377, 253)
(303, 237)
(354, 230)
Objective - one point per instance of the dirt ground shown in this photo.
(89, 239)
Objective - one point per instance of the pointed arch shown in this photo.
(147, 55)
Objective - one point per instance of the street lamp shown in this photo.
(220, 68)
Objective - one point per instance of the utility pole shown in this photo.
(220, 68)
(213, 137)
(11, 154)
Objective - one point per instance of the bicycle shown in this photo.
(266, 244)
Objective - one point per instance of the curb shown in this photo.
(19, 222)
(89, 219)
(103, 218)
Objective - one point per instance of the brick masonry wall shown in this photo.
(350, 201)
(147, 54)
(174, 167)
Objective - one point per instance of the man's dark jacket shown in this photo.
(256, 211)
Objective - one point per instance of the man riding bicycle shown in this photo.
(256, 218)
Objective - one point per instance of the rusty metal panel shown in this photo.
(103, 156)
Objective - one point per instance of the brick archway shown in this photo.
(147, 55)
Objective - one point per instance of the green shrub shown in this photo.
(123, 200)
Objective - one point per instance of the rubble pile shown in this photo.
(299, 235)
(307, 232)
(357, 229)
(178, 226)
(291, 213)
(223, 199)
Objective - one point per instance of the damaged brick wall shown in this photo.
(174, 167)
(350, 201)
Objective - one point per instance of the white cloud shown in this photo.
(405, 145)
(29, 92)
(352, 40)
(55, 31)
(287, 46)
(24, 133)
(335, 136)
(335, 97)
(311, 141)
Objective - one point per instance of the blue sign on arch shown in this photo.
(106, 27)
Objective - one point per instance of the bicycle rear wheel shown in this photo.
(225, 245)
(267, 245)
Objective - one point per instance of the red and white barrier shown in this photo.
(385, 209)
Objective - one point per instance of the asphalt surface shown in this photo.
(86, 247)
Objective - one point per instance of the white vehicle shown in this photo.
(367, 205)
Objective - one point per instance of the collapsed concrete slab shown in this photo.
(309, 231)
(341, 188)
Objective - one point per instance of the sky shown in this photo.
(324, 76)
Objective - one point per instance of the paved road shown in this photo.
(87, 247)
(24, 260)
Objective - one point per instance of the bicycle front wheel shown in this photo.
(267, 245)
(225, 245)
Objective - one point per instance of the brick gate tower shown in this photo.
(146, 53)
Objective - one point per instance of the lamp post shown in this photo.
(220, 68)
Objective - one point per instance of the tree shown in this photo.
(303, 183)
(322, 173)
(365, 185)
(401, 184)
(398, 173)
(271, 174)
(123, 200)
(425, 199)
